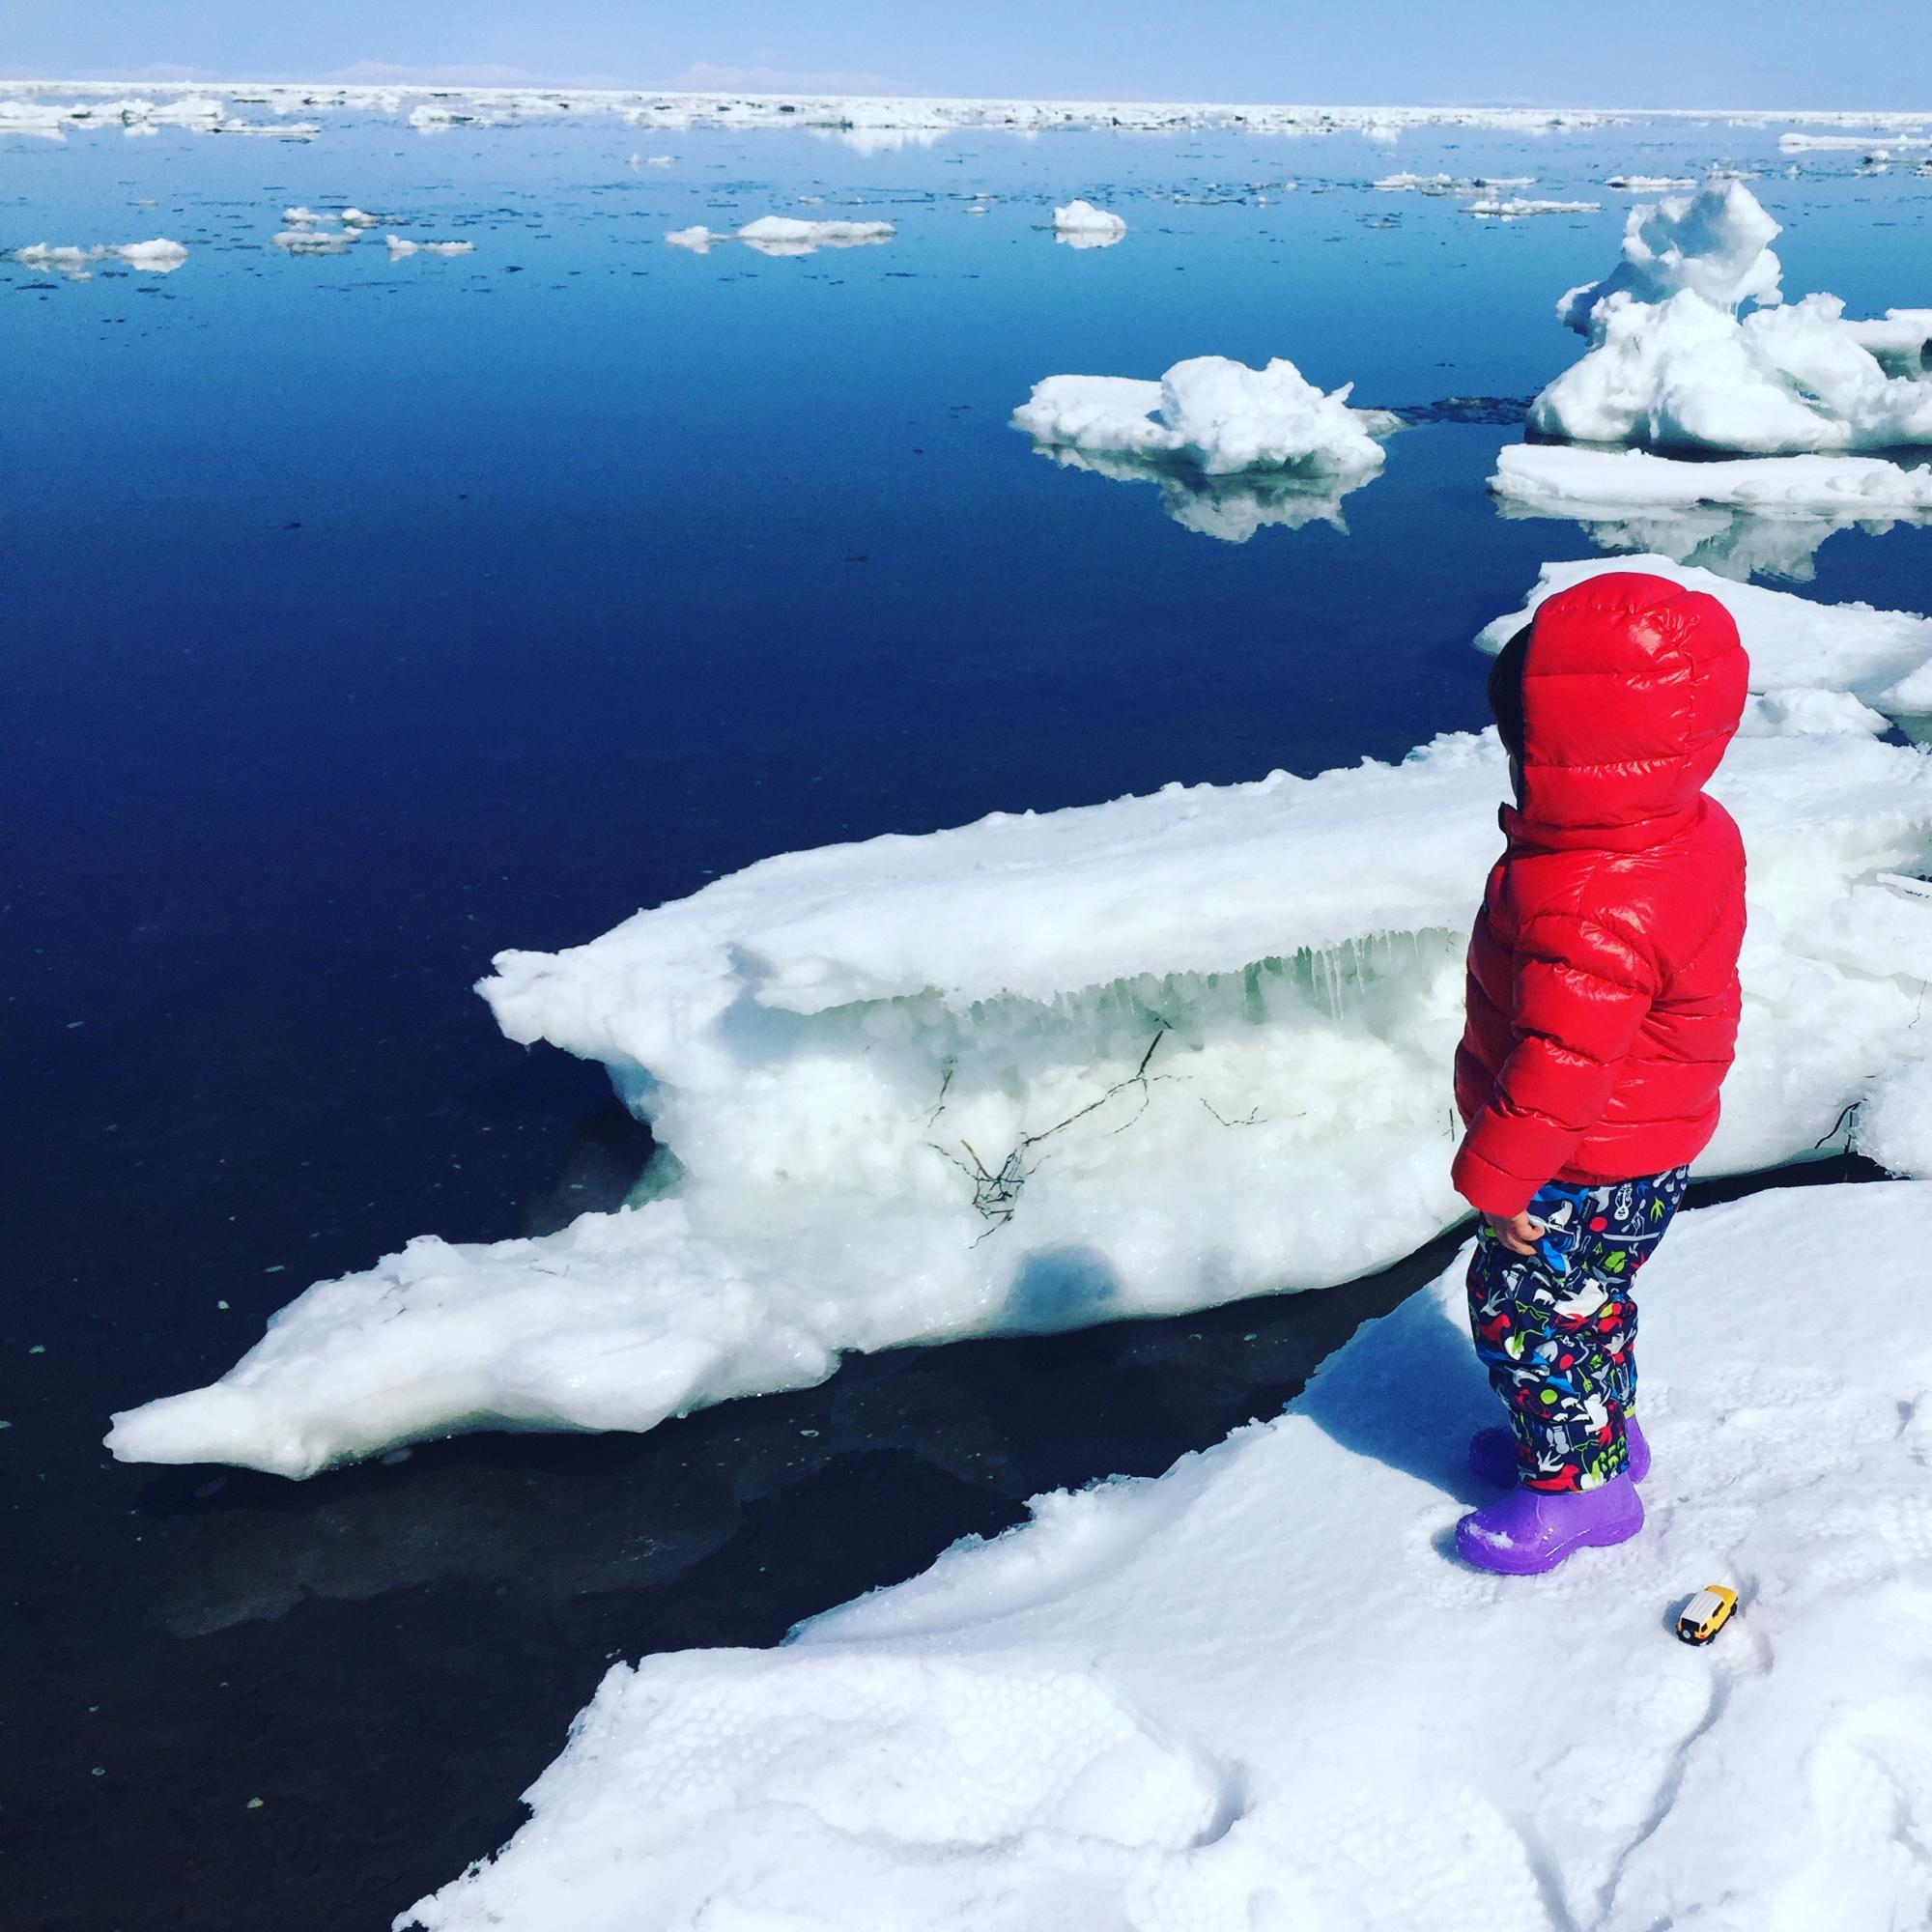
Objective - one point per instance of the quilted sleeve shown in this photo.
(1582, 990)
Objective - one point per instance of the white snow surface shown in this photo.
(1716, 243)
(784, 235)
(993, 1079)
(401, 245)
(1260, 1694)
(1212, 414)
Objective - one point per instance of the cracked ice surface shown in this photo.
(1256, 1692)
(1045, 1071)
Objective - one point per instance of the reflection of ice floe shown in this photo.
(1220, 416)
(1231, 508)
(1671, 365)
(316, 240)
(159, 257)
(784, 235)
(882, 140)
(1756, 515)
(1881, 657)
(1046, 1071)
(1515, 208)
(1082, 225)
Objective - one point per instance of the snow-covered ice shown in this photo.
(1749, 515)
(1648, 183)
(1672, 364)
(1212, 415)
(784, 235)
(1082, 225)
(399, 245)
(1256, 1692)
(987, 1080)
(1716, 244)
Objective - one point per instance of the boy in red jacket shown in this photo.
(1602, 1012)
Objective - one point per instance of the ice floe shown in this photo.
(159, 257)
(21, 112)
(1514, 208)
(1739, 516)
(1673, 365)
(1082, 225)
(1648, 183)
(1045, 1071)
(1253, 1692)
(1211, 414)
(784, 235)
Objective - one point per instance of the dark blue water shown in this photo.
(367, 617)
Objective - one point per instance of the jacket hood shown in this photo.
(1633, 687)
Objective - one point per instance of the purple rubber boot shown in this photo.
(1530, 1532)
(1492, 1455)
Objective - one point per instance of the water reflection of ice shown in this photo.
(1736, 543)
(1089, 238)
(1231, 508)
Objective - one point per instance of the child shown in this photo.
(1603, 1011)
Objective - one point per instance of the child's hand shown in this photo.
(1517, 1233)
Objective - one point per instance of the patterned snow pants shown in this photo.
(1558, 1344)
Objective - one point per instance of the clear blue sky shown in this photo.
(1648, 53)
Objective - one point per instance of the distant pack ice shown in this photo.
(1042, 1072)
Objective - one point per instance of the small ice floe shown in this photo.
(1082, 225)
(659, 160)
(1408, 183)
(316, 240)
(159, 257)
(401, 246)
(1796, 143)
(1516, 208)
(1764, 516)
(357, 218)
(784, 235)
(1649, 183)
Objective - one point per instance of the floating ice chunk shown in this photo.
(1649, 183)
(303, 218)
(401, 246)
(1515, 208)
(1687, 374)
(1212, 414)
(356, 218)
(658, 160)
(316, 240)
(696, 239)
(1714, 243)
(1083, 225)
(1411, 184)
(159, 257)
(1167, 1704)
(787, 235)
(1792, 641)
(1793, 142)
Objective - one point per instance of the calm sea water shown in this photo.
(367, 617)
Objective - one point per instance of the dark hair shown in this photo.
(1506, 691)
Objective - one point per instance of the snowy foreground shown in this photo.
(1042, 1071)
(1259, 1693)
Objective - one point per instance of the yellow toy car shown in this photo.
(1706, 1613)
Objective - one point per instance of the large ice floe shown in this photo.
(1232, 448)
(1255, 1694)
(1673, 365)
(1045, 1070)
(1744, 516)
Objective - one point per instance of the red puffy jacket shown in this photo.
(1602, 989)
